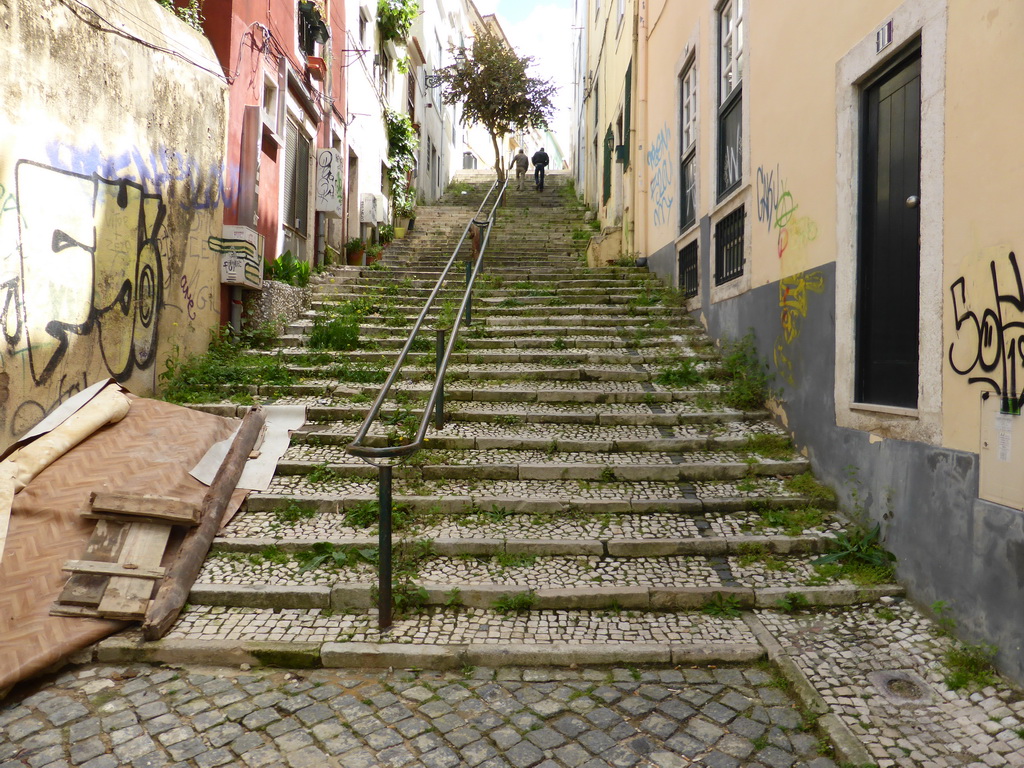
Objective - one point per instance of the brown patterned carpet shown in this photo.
(149, 452)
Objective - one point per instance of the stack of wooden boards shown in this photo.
(121, 567)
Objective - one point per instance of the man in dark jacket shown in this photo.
(540, 162)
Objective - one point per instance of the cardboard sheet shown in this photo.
(282, 420)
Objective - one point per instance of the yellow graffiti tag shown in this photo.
(793, 294)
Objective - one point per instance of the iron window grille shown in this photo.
(688, 270)
(729, 236)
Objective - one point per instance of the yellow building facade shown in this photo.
(842, 180)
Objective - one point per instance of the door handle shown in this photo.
(913, 201)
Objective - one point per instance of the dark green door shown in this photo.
(889, 255)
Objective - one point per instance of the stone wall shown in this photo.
(111, 188)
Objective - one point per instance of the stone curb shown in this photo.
(849, 749)
(129, 647)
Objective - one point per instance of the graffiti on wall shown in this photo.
(94, 250)
(200, 188)
(777, 209)
(660, 160)
(88, 265)
(794, 292)
(988, 343)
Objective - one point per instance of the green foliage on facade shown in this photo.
(395, 18)
(191, 12)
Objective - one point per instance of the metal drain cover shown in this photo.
(902, 687)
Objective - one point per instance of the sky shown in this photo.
(542, 29)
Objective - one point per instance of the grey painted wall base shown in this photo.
(950, 545)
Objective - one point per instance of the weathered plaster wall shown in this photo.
(916, 472)
(111, 187)
(950, 545)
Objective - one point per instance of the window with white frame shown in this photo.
(688, 148)
(730, 95)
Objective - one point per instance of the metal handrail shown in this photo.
(365, 452)
(384, 458)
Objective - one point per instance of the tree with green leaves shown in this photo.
(495, 90)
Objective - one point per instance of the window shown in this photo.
(688, 152)
(384, 73)
(296, 190)
(270, 103)
(688, 270)
(364, 23)
(730, 96)
(311, 28)
(609, 150)
(729, 247)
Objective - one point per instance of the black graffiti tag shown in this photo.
(990, 349)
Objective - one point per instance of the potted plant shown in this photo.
(387, 234)
(354, 251)
(373, 253)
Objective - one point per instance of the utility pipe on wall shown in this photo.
(640, 194)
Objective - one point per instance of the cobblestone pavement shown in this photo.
(147, 716)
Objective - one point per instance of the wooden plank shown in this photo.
(75, 611)
(112, 569)
(182, 573)
(120, 517)
(149, 507)
(104, 546)
(127, 598)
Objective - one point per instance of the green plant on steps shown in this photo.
(969, 666)
(723, 605)
(287, 269)
(746, 385)
(224, 367)
(520, 602)
(339, 331)
(334, 556)
(682, 373)
(857, 555)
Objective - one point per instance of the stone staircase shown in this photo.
(593, 497)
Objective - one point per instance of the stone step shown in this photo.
(557, 438)
(328, 401)
(281, 579)
(659, 357)
(449, 638)
(497, 464)
(495, 530)
(545, 496)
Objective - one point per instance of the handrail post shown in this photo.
(384, 550)
(469, 304)
(439, 404)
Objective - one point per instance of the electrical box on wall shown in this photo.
(367, 208)
(241, 262)
(1001, 454)
(330, 187)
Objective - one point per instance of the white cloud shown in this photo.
(546, 35)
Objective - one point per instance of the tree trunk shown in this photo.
(499, 161)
